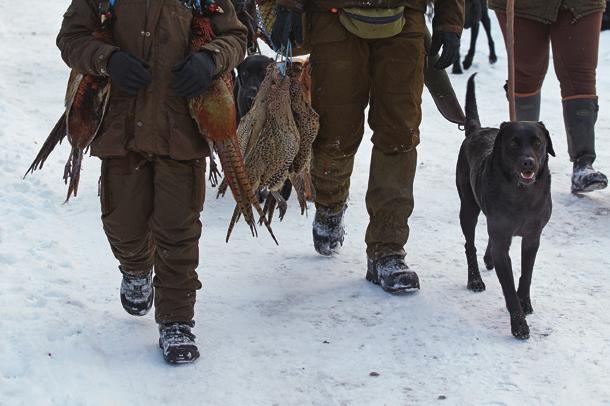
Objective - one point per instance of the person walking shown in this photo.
(368, 53)
(572, 28)
(152, 184)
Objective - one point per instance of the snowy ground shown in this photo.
(282, 325)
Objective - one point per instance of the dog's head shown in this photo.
(522, 149)
(250, 75)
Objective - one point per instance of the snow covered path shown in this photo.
(282, 326)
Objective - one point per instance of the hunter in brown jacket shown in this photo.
(153, 158)
(369, 52)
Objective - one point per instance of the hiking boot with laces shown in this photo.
(586, 179)
(392, 274)
(328, 231)
(178, 343)
(137, 292)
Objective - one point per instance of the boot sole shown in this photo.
(399, 289)
(591, 188)
(178, 361)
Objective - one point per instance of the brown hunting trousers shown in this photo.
(349, 73)
(150, 212)
(575, 53)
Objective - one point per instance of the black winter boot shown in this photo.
(392, 273)
(137, 292)
(586, 179)
(178, 343)
(328, 230)
(528, 107)
(580, 116)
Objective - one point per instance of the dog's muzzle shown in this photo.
(527, 174)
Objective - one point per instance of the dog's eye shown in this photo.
(514, 142)
(537, 143)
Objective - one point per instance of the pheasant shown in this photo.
(308, 124)
(269, 138)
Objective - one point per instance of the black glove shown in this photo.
(450, 42)
(128, 72)
(193, 75)
(287, 27)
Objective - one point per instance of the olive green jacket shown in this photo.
(546, 10)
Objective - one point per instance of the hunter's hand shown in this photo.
(450, 42)
(193, 75)
(287, 27)
(128, 72)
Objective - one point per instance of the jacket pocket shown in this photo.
(185, 142)
(115, 130)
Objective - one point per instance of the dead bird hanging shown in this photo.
(275, 137)
(86, 101)
(215, 114)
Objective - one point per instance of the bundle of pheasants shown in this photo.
(276, 136)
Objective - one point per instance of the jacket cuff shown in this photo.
(102, 55)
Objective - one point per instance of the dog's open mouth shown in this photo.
(528, 176)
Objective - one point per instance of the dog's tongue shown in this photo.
(527, 175)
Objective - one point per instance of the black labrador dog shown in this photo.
(476, 12)
(250, 75)
(504, 173)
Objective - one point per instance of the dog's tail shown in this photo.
(472, 112)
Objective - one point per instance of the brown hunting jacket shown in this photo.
(546, 11)
(158, 31)
(448, 14)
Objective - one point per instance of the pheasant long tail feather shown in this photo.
(239, 182)
(244, 182)
(227, 157)
(55, 137)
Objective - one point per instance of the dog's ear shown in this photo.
(498, 140)
(547, 136)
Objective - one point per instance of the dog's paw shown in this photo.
(526, 305)
(519, 326)
(493, 59)
(467, 62)
(476, 285)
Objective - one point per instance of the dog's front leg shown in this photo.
(529, 249)
(500, 246)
